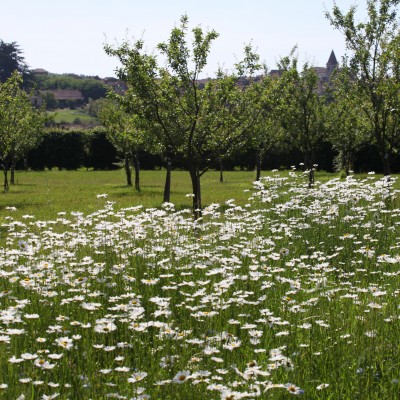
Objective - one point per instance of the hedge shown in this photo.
(72, 149)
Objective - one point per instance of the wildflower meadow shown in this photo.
(295, 293)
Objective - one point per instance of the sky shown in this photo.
(69, 36)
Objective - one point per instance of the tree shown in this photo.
(374, 55)
(11, 59)
(50, 100)
(191, 122)
(20, 124)
(93, 89)
(125, 133)
(302, 109)
(266, 132)
(347, 130)
(57, 81)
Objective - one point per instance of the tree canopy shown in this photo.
(11, 59)
(125, 132)
(193, 121)
(301, 109)
(374, 63)
(20, 123)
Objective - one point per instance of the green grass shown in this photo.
(69, 116)
(46, 193)
(296, 290)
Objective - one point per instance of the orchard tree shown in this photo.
(266, 135)
(302, 109)
(193, 122)
(373, 47)
(231, 113)
(266, 132)
(392, 88)
(21, 125)
(126, 134)
(346, 123)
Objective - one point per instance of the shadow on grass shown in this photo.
(136, 194)
(22, 184)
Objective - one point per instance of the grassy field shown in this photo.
(285, 292)
(46, 193)
(69, 116)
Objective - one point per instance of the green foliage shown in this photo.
(374, 64)
(266, 132)
(73, 149)
(21, 125)
(11, 60)
(94, 106)
(189, 123)
(302, 108)
(123, 129)
(50, 100)
(91, 88)
(126, 132)
(346, 123)
(101, 154)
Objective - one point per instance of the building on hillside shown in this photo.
(66, 97)
(39, 72)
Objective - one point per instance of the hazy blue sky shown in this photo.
(68, 36)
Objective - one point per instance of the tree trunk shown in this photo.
(221, 171)
(386, 164)
(167, 187)
(258, 166)
(12, 174)
(5, 171)
(349, 162)
(128, 171)
(347, 168)
(137, 171)
(345, 162)
(195, 178)
(311, 178)
(309, 165)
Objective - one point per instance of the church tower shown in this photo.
(332, 63)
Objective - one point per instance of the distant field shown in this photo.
(69, 116)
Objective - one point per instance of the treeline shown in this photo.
(90, 87)
(92, 149)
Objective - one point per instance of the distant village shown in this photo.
(65, 96)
